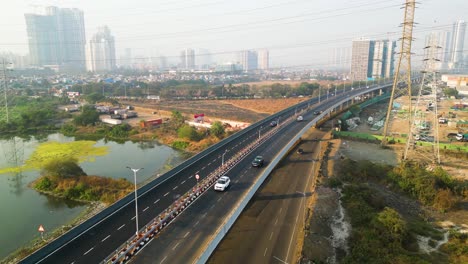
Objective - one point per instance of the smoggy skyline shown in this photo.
(297, 32)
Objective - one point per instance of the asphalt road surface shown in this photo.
(267, 230)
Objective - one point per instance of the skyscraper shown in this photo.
(101, 51)
(372, 59)
(263, 60)
(458, 39)
(248, 60)
(57, 37)
(187, 59)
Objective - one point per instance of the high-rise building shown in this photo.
(249, 60)
(441, 42)
(204, 58)
(372, 59)
(57, 37)
(187, 59)
(101, 51)
(263, 60)
(458, 39)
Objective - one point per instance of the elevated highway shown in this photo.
(183, 240)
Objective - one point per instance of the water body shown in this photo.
(23, 209)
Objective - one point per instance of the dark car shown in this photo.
(273, 123)
(257, 162)
(317, 112)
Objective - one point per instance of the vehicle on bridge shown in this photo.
(273, 123)
(222, 184)
(258, 162)
(300, 118)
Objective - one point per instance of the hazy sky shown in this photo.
(297, 32)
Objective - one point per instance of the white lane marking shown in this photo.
(276, 221)
(213, 160)
(212, 206)
(157, 200)
(121, 227)
(190, 177)
(271, 235)
(203, 168)
(133, 218)
(182, 182)
(209, 164)
(88, 251)
(73, 262)
(175, 188)
(163, 259)
(197, 223)
(264, 254)
(174, 247)
(105, 238)
(166, 194)
(203, 215)
(281, 209)
(146, 209)
(186, 234)
(219, 199)
(280, 260)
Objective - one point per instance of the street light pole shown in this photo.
(259, 130)
(136, 202)
(222, 157)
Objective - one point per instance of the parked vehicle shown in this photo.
(258, 162)
(462, 137)
(130, 114)
(112, 121)
(222, 184)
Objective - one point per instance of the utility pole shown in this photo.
(402, 78)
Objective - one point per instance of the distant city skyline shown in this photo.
(296, 32)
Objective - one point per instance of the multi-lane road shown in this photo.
(182, 239)
(267, 230)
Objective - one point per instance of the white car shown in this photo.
(300, 118)
(222, 184)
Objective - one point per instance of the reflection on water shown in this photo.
(54, 203)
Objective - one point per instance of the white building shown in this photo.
(458, 39)
(187, 59)
(263, 60)
(101, 51)
(249, 60)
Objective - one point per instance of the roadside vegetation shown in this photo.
(386, 228)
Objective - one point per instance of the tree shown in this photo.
(188, 132)
(217, 129)
(394, 224)
(94, 98)
(177, 119)
(63, 168)
(88, 116)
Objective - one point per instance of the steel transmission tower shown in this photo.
(402, 76)
(429, 112)
(4, 111)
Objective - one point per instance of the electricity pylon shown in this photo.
(402, 76)
(420, 124)
(4, 111)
